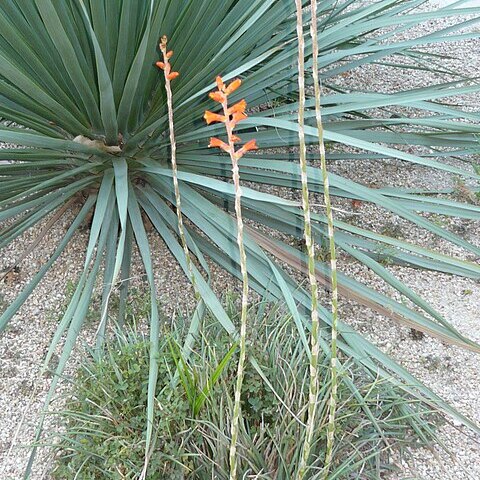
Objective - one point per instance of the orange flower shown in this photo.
(216, 142)
(250, 145)
(165, 65)
(217, 96)
(233, 115)
(220, 84)
(230, 89)
(211, 117)
(233, 86)
(239, 107)
(238, 117)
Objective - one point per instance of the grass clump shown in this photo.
(103, 423)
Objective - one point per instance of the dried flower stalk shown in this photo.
(314, 337)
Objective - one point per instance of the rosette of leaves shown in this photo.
(85, 117)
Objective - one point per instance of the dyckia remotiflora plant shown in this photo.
(86, 121)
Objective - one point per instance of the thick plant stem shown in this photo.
(313, 389)
(332, 405)
(235, 427)
(173, 145)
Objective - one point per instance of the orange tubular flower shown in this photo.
(165, 65)
(211, 117)
(220, 84)
(233, 86)
(238, 117)
(239, 107)
(217, 143)
(227, 90)
(217, 96)
(230, 118)
(250, 145)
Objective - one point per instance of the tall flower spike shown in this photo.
(169, 75)
(230, 118)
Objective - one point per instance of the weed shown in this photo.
(392, 229)
(462, 192)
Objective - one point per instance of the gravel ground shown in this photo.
(450, 372)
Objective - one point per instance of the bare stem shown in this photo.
(313, 390)
(332, 405)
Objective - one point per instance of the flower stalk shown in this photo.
(332, 404)
(230, 117)
(169, 76)
(315, 337)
